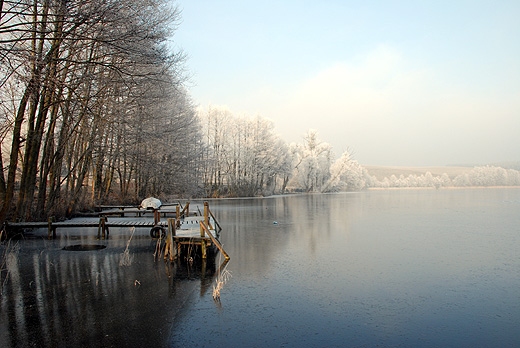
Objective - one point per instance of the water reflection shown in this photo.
(54, 297)
(380, 268)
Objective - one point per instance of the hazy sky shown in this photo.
(397, 82)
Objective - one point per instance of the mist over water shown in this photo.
(405, 268)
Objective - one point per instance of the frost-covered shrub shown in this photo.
(478, 176)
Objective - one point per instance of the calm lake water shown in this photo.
(389, 268)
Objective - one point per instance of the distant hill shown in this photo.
(508, 165)
(380, 172)
(504, 164)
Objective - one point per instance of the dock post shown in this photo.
(105, 229)
(156, 216)
(203, 248)
(102, 228)
(206, 213)
(178, 212)
(51, 232)
(172, 240)
(169, 247)
(172, 225)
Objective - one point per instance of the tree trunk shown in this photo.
(3, 187)
(15, 150)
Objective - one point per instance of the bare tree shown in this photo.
(244, 157)
(84, 87)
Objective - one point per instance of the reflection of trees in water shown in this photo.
(71, 298)
(303, 221)
(250, 233)
(262, 230)
(8, 256)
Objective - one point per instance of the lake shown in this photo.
(389, 268)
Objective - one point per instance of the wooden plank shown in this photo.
(192, 220)
(27, 224)
(115, 206)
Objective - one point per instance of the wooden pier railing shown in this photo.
(205, 231)
(209, 230)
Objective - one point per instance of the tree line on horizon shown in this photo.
(478, 176)
(244, 157)
(94, 110)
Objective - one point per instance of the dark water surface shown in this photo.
(403, 268)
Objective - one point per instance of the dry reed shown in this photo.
(158, 248)
(126, 258)
(222, 278)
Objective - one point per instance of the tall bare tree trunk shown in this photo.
(3, 187)
(15, 150)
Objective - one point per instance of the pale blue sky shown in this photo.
(398, 82)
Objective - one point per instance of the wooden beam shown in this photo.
(214, 240)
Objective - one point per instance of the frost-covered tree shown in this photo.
(444, 180)
(513, 177)
(216, 122)
(462, 180)
(488, 176)
(243, 156)
(477, 176)
(313, 161)
(345, 175)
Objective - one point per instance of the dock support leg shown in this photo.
(206, 213)
(170, 247)
(105, 228)
(156, 216)
(51, 232)
(203, 249)
(102, 228)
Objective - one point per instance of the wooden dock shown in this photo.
(132, 211)
(103, 222)
(199, 229)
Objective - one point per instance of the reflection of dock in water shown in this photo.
(204, 270)
(57, 297)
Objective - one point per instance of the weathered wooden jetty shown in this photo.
(183, 228)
